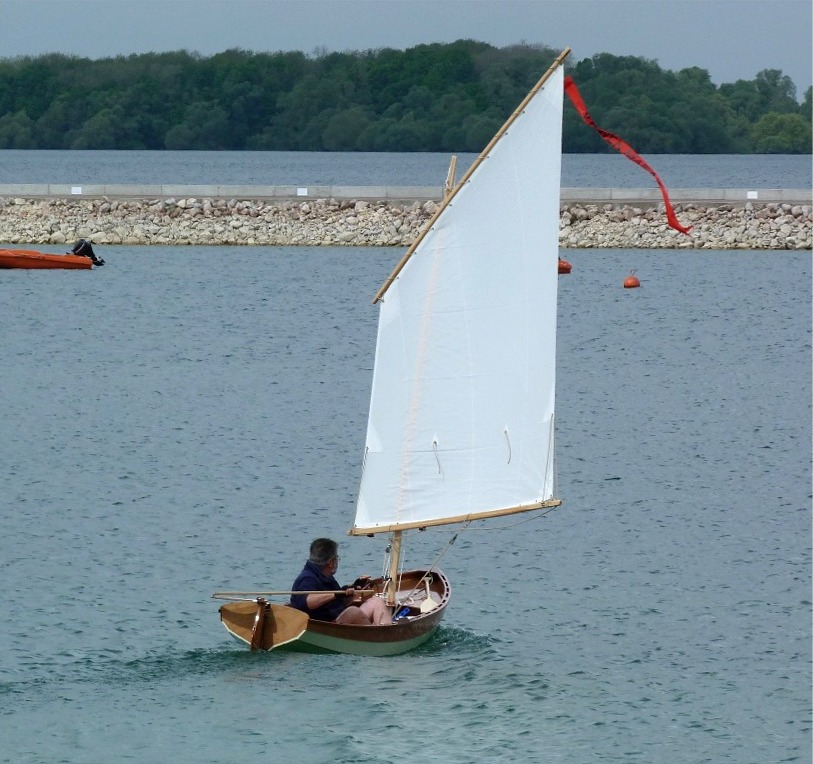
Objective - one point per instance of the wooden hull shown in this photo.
(30, 259)
(240, 620)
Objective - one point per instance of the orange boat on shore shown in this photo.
(81, 257)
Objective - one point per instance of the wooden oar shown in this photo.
(254, 595)
(261, 625)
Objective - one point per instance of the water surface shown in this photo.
(331, 168)
(186, 419)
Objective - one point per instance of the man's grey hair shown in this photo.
(323, 551)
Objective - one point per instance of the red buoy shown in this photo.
(564, 266)
(631, 281)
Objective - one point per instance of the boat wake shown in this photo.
(452, 639)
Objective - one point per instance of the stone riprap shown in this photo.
(331, 222)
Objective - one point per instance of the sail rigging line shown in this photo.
(467, 527)
(526, 519)
(448, 198)
(385, 570)
(435, 562)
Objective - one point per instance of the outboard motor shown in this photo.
(84, 248)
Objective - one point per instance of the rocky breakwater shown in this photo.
(328, 222)
(724, 226)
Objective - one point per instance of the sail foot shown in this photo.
(457, 519)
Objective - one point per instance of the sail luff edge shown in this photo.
(447, 200)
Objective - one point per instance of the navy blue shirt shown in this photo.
(311, 579)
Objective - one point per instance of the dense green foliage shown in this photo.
(439, 97)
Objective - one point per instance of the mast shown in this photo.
(449, 185)
(395, 561)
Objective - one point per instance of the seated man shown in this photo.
(318, 576)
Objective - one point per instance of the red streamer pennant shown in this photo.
(624, 148)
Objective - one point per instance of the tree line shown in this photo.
(438, 97)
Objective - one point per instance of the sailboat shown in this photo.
(461, 419)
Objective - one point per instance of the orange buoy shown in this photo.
(564, 266)
(631, 281)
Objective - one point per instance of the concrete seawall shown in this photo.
(392, 193)
(54, 215)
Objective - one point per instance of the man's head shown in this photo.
(323, 551)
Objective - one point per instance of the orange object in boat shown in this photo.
(631, 281)
(564, 266)
(29, 258)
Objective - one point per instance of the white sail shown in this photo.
(461, 421)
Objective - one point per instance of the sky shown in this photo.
(731, 39)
